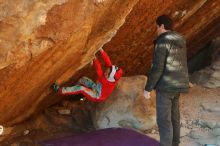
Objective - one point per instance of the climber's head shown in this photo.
(114, 73)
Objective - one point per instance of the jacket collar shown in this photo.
(160, 36)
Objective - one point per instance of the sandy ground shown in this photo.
(192, 112)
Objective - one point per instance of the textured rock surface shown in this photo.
(197, 20)
(50, 123)
(127, 107)
(19, 20)
(200, 118)
(44, 41)
(210, 76)
(202, 107)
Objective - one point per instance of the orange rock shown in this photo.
(47, 41)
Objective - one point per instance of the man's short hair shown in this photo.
(166, 21)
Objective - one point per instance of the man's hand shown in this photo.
(147, 95)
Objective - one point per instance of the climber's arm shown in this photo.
(97, 66)
(106, 58)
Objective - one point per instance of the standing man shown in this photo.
(169, 76)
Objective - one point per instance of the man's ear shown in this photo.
(162, 26)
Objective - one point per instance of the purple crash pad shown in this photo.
(104, 137)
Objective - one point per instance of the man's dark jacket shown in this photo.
(169, 70)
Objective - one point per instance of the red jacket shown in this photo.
(107, 86)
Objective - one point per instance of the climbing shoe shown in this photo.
(55, 87)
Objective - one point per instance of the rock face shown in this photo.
(210, 76)
(46, 41)
(54, 121)
(19, 20)
(127, 107)
(197, 21)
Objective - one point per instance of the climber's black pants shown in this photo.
(168, 118)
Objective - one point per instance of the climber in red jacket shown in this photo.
(99, 91)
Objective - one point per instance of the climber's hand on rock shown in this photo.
(91, 63)
(147, 95)
(1, 130)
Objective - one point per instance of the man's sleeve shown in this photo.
(159, 59)
(106, 59)
(98, 67)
